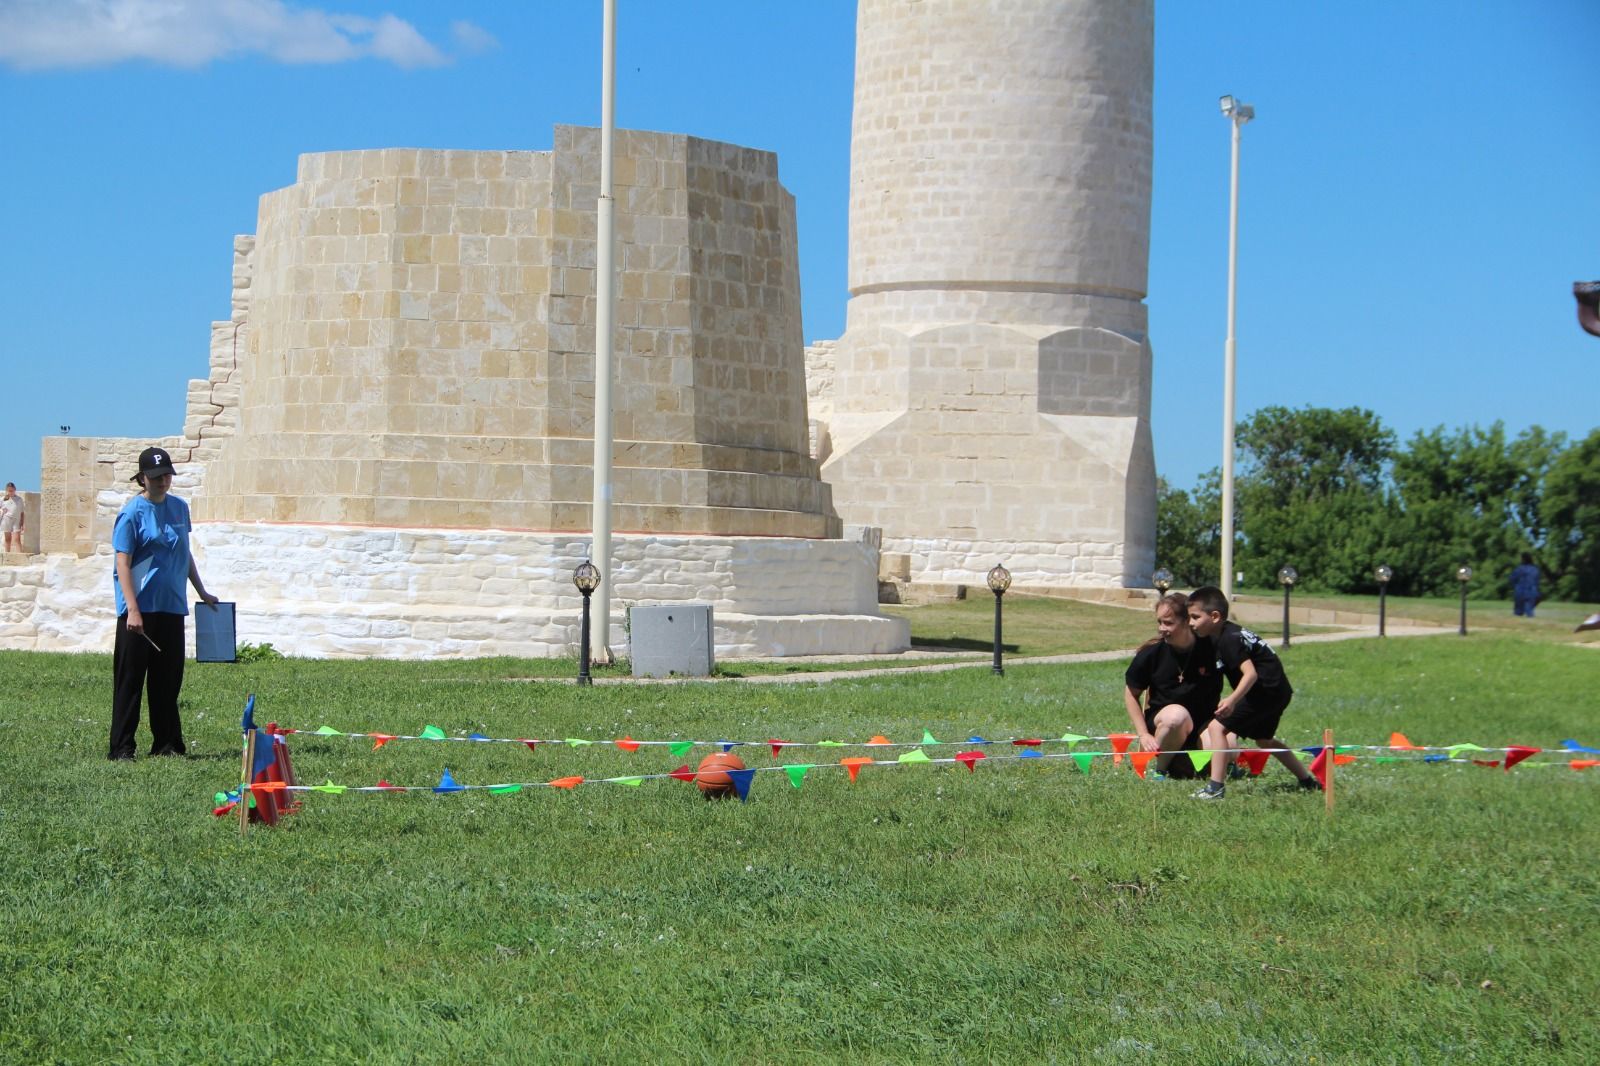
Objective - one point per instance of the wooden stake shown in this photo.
(1327, 793)
(244, 776)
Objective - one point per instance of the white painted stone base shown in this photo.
(351, 592)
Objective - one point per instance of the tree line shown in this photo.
(1334, 494)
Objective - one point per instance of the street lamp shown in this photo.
(1463, 575)
(587, 578)
(1384, 574)
(1237, 115)
(1162, 580)
(1288, 575)
(999, 580)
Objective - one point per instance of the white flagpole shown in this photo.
(605, 306)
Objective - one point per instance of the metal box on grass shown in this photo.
(674, 640)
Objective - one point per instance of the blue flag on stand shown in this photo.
(249, 722)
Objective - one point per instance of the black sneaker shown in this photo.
(1212, 791)
(1310, 784)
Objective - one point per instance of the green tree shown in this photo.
(1571, 507)
(1311, 494)
(1187, 531)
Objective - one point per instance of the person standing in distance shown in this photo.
(13, 519)
(151, 542)
(1524, 587)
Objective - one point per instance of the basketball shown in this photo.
(712, 778)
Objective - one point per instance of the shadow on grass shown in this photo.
(961, 644)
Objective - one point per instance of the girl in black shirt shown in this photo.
(1179, 672)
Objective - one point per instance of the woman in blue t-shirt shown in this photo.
(151, 541)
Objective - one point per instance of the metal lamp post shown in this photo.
(1288, 575)
(1463, 575)
(1237, 114)
(1384, 574)
(587, 578)
(1162, 580)
(999, 580)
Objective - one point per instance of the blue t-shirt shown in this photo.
(155, 537)
(1525, 581)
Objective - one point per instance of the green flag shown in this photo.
(329, 787)
(1083, 759)
(504, 790)
(1072, 740)
(929, 738)
(327, 731)
(681, 748)
(631, 782)
(915, 755)
(1201, 759)
(797, 772)
(830, 743)
(577, 743)
(432, 732)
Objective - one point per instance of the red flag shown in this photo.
(1119, 744)
(970, 758)
(1030, 743)
(380, 739)
(1141, 760)
(383, 784)
(628, 744)
(1319, 766)
(854, 764)
(777, 746)
(1492, 763)
(683, 773)
(1516, 753)
(1254, 760)
(533, 745)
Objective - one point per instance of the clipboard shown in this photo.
(215, 639)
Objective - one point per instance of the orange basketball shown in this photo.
(712, 778)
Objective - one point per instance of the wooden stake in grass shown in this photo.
(1327, 793)
(244, 776)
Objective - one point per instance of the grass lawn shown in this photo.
(1023, 912)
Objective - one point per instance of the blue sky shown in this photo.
(1420, 188)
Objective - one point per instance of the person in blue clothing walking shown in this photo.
(1524, 587)
(151, 542)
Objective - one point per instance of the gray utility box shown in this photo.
(675, 640)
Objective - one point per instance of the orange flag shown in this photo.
(878, 740)
(1119, 744)
(380, 739)
(1398, 742)
(566, 782)
(1576, 764)
(1141, 760)
(628, 744)
(854, 764)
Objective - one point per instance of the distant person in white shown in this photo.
(13, 519)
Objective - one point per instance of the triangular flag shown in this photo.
(682, 773)
(1491, 763)
(970, 758)
(578, 742)
(432, 732)
(1455, 750)
(504, 790)
(854, 764)
(1576, 764)
(727, 746)
(1342, 760)
(533, 745)
(1119, 744)
(1084, 759)
(1072, 740)
(1141, 760)
(879, 740)
(915, 755)
(741, 781)
(777, 746)
(975, 739)
(1030, 753)
(1200, 759)
(680, 748)
(379, 740)
(628, 744)
(1387, 758)
(327, 731)
(1319, 768)
(329, 787)
(248, 722)
(929, 738)
(1516, 753)
(566, 782)
(631, 782)
(476, 736)
(1030, 742)
(1573, 745)
(385, 786)
(830, 743)
(1398, 742)
(447, 783)
(797, 772)
(1255, 760)
(1436, 758)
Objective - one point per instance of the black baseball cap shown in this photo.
(155, 461)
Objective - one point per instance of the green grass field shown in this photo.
(1024, 912)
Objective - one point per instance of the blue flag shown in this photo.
(741, 782)
(249, 722)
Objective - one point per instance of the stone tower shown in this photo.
(990, 398)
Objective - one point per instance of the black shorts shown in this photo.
(1182, 767)
(1257, 717)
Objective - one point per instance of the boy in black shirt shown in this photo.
(1260, 693)
(1179, 672)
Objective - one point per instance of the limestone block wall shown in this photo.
(990, 397)
(421, 344)
(349, 592)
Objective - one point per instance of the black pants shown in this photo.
(136, 666)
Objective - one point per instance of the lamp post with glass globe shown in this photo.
(1384, 574)
(1288, 575)
(999, 580)
(1463, 575)
(587, 578)
(1162, 580)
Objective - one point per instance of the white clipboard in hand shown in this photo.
(215, 640)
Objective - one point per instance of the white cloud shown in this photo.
(49, 34)
(472, 39)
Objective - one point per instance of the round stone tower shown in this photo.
(990, 398)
